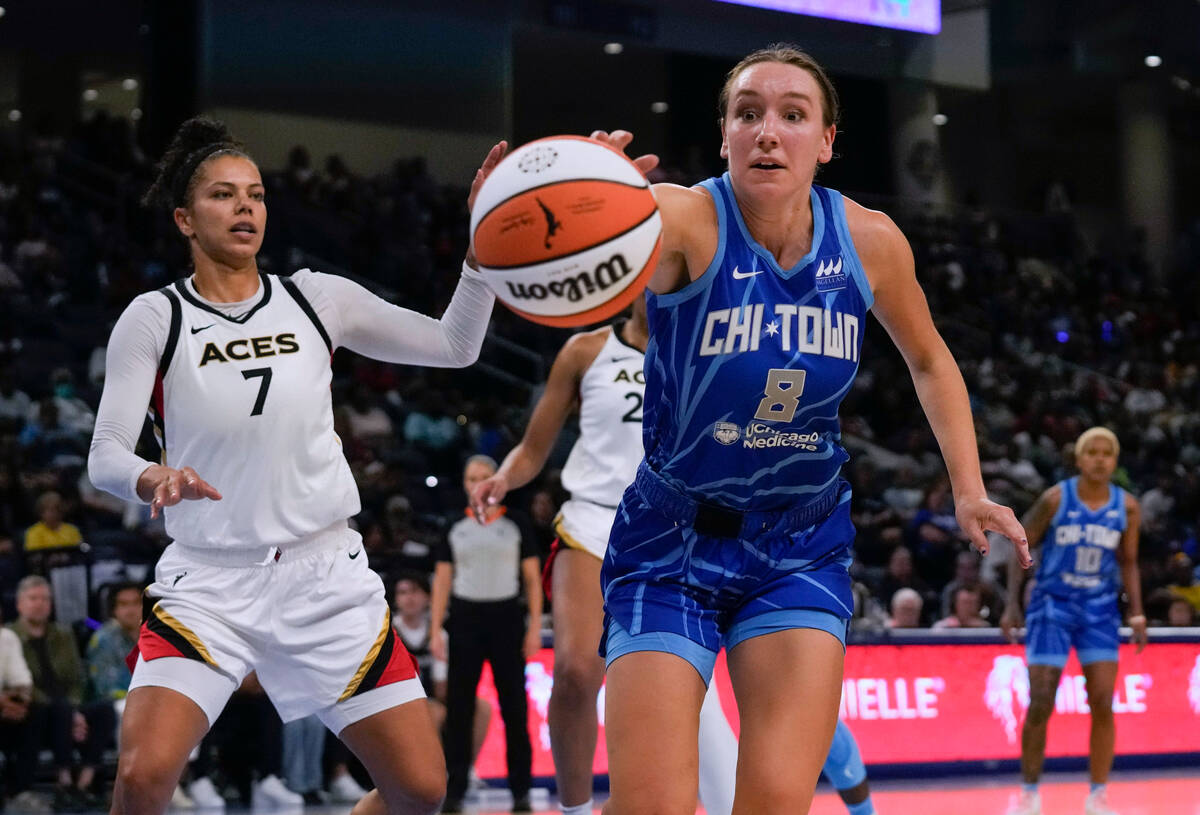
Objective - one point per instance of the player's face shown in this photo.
(1098, 460)
(227, 217)
(774, 134)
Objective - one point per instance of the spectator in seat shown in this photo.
(906, 609)
(58, 709)
(967, 602)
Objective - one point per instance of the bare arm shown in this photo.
(526, 460)
(443, 576)
(531, 577)
(901, 307)
(1131, 575)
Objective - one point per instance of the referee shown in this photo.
(482, 566)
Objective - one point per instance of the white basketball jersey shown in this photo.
(246, 403)
(605, 457)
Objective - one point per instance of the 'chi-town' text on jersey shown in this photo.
(245, 401)
(747, 365)
(1079, 552)
(605, 457)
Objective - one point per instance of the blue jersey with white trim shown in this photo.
(1079, 552)
(747, 365)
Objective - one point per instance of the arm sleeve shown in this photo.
(134, 350)
(373, 327)
(442, 552)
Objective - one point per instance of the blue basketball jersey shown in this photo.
(1079, 552)
(747, 365)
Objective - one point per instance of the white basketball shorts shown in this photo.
(585, 526)
(310, 617)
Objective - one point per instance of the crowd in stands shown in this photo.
(1053, 336)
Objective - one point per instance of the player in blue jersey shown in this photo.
(1088, 530)
(736, 531)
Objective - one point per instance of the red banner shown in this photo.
(933, 703)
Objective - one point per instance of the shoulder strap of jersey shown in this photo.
(172, 332)
(291, 288)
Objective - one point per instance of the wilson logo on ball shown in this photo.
(566, 231)
(574, 288)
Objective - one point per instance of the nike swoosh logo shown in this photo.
(202, 328)
(622, 359)
(356, 554)
(743, 275)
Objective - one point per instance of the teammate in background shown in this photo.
(601, 372)
(1088, 529)
(736, 532)
(264, 573)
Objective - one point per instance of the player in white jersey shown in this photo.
(264, 573)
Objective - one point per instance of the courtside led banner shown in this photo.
(911, 15)
(943, 703)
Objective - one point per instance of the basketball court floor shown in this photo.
(1142, 792)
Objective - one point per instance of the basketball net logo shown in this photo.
(1007, 688)
(1194, 687)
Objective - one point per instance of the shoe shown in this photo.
(1030, 803)
(521, 803)
(270, 793)
(1097, 804)
(29, 801)
(474, 782)
(180, 799)
(345, 790)
(452, 805)
(204, 794)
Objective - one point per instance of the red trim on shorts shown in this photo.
(548, 569)
(393, 664)
(152, 645)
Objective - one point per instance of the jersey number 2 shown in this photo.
(265, 375)
(635, 412)
(783, 391)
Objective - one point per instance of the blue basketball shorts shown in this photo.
(1054, 625)
(668, 588)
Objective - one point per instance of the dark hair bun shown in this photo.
(195, 140)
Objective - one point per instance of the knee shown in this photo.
(1101, 705)
(144, 773)
(1040, 708)
(423, 794)
(577, 680)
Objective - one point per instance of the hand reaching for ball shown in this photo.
(620, 139)
(489, 163)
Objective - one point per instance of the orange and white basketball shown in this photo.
(566, 231)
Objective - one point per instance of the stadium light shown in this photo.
(940, 119)
(659, 107)
(1153, 60)
(613, 48)
(1, 11)
(90, 95)
(129, 84)
(14, 115)
(431, 481)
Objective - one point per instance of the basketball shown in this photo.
(566, 231)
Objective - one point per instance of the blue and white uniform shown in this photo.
(1074, 601)
(738, 522)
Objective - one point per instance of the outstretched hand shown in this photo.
(620, 139)
(977, 516)
(166, 487)
(489, 163)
